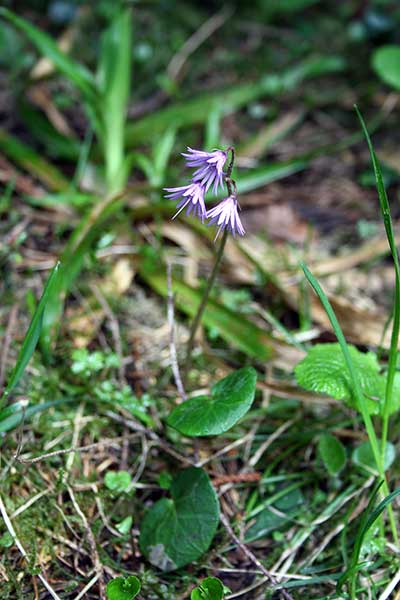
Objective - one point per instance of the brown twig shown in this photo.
(69, 450)
(252, 556)
(174, 69)
(236, 478)
(152, 435)
(92, 542)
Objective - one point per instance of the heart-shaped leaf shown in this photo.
(123, 588)
(179, 530)
(210, 588)
(230, 400)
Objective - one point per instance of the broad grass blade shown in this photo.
(29, 160)
(32, 335)
(114, 76)
(73, 70)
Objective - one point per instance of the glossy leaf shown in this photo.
(230, 400)
(332, 453)
(178, 530)
(123, 588)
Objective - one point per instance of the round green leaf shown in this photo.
(230, 400)
(332, 452)
(210, 588)
(364, 457)
(386, 63)
(118, 481)
(123, 588)
(178, 530)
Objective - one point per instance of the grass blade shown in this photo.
(14, 417)
(394, 342)
(355, 382)
(32, 335)
(368, 519)
(29, 160)
(356, 387)
(114, 75)
(72, 260)
(74, 71)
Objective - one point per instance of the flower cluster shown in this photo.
(209, 171)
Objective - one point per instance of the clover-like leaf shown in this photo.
(123, 588)
(230, 400)
(178, 530)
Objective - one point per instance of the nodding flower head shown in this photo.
(209, 167)
(226, 215)
(192, 196)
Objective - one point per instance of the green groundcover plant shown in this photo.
(179, 528)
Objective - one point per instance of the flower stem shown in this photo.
(202, 305)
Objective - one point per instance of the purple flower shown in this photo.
(225, 214)
(209, 167)
(192, 196)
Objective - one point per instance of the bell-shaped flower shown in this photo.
(209, 167)
(192, 197)
(226, 215)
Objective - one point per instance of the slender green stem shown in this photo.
(394, 342)
(203, 304)
(357, 391)
(356, 386)
(231, 187)
(392, 364)
(387, 221)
